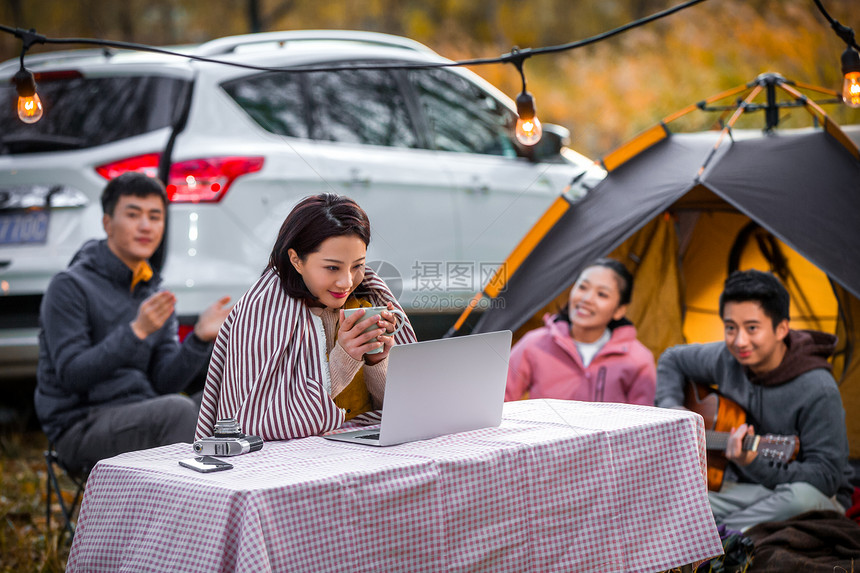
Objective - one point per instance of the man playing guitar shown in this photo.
(781, 378)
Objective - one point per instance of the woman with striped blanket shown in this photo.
(287, 363)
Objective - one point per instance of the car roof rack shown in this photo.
(229, 44)
(75, 56)
(55, 57)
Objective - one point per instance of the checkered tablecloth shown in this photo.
(559, 486)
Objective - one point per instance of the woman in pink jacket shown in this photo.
(589, 350)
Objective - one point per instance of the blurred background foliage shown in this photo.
(604, 93)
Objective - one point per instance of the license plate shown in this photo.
(23, 227)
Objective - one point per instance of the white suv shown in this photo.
(428, 153)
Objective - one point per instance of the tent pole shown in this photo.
(771, 113)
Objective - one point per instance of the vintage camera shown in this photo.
(227, 441)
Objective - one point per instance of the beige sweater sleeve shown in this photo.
(374, 377)
(342, 368)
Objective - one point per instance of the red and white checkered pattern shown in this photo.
(559, 486)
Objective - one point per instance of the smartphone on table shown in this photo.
(205, 464)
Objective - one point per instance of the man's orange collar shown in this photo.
(143, 272)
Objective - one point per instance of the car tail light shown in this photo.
(147, 164)
(184, 331)
(207, 180)
(192, 180)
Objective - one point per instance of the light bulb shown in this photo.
(29, 103)
(851, 71)
(30, 108)
(528, 130)
(851, 89)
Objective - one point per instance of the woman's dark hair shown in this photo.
(313, 220)
(625, 279)
(625, 287)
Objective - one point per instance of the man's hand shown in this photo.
(210, 321)
(734, 447)
(153, 313)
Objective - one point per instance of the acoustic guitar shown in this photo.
(721, 415)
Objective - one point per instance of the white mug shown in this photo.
(375, 311)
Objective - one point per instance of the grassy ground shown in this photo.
(26, 544)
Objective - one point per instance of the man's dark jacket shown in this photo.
(88, 354)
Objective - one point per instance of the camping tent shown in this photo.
(682, 211)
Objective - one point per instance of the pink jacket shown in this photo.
(546, 364)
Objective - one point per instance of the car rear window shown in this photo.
(450, 101)
(81, 112)
(274, 100)
(361, 106)
(348, 106)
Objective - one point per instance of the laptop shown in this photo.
(440, 387)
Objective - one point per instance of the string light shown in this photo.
(29, 103)
(30, 37)
(531, 128)
(851, 73)
(850, 60)
(528, 130)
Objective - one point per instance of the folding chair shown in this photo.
(52, 463)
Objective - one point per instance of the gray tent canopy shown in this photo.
(802, 186)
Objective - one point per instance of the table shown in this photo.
(559, 486)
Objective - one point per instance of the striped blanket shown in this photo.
(266, 369)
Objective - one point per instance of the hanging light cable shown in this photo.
(850, 60)
(525, 102)
(528, 130)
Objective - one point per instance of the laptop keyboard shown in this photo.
(369, 436)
